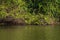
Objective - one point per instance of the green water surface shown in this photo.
(30, 33)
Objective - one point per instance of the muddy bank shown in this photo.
(12, 21)
(20, 21)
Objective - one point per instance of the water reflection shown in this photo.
(30, 33)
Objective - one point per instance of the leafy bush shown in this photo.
(32, 11)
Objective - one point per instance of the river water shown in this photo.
(49, 32)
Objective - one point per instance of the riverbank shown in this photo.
(29, 12)
(20, 21)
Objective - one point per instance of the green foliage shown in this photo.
(32, 11)
(3, 14)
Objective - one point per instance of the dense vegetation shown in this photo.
(30, 11)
